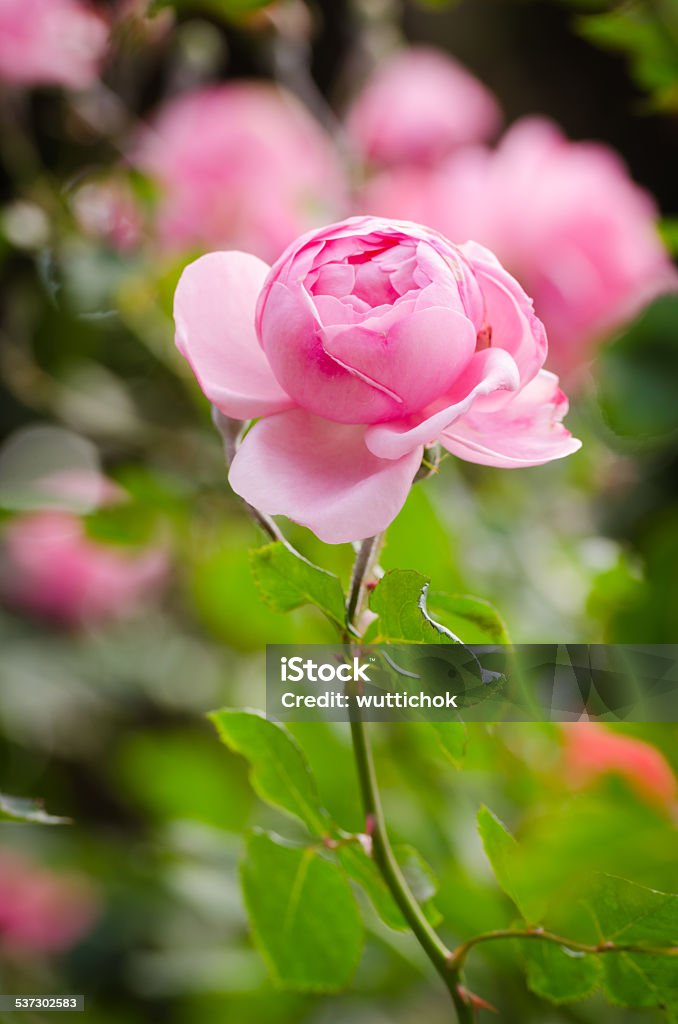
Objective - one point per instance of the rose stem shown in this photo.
(382, 851)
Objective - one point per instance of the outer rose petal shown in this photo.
(488, 371)
(526, 432)
(509, 312)
(321, 475)
(214, 309)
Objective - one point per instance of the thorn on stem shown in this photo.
(477, 1002)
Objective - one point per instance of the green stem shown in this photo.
(382, 851)
(458, 958)
(368, 552)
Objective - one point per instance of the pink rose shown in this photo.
(40, 911)
(417, 107)
(53, 569)
(365, 342)
(592, 751)
(51, 42)
(564, 217)
(241, 165)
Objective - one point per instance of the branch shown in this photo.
(458, 957)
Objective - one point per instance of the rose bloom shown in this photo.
(41, 911)
(53, 569)
(417, 107)
(51, 42)
(365, 342)
(241, 165)
(564, 217)
(592, 751)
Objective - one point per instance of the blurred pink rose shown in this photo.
(417, 107)
(40, 911)
(53, 569)
(51, 42)
(592, 751)
(564, 217)
(107, 209)
(241, 165)
(365, 342)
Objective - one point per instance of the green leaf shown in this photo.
(637, 397)
(559, 974)
(279, 772)
(28, 811)
(450, 738)
(419, 875)
(286, 581)
(648, 35)
(475, 620)
(399, 599)
(668, 229)
(303, 914)
(630, 914)
(503, 854)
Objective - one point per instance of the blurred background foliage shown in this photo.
(105, 722)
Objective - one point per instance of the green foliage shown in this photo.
(503, 854)
(399, 600)
(179, 775)
(21, 809)
(475, 620)
(303, 914)
(230, 10)
(279, 772)
(451, 739)
(646, 31)
(629, 914)
(229, 601)
(419, 875)
(287, 581)
(638, 397)
(408, 613)
(559, 974)
(419, 540)
(437, 5)
(668, 229)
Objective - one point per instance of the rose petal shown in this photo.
(488, 371)
(214, 315)
(321, 475)
(319, 383)
(509, 312)
(417, 358)
(527, 431)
